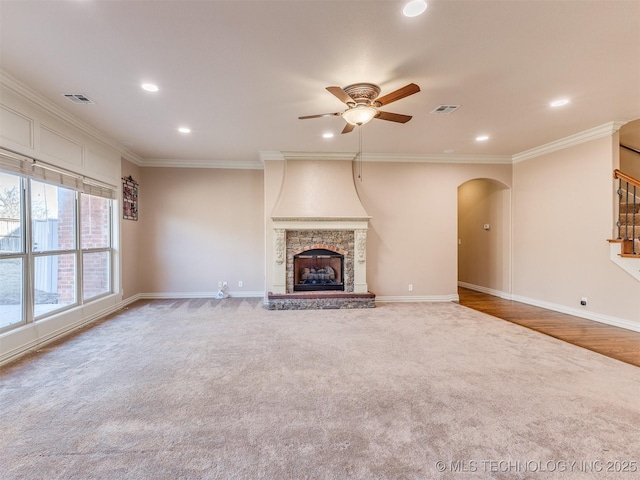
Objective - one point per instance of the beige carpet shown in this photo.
(223, 389)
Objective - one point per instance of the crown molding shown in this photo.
(29, 95)
(342, 156)
(189, 163)
(386, 157)
(435, 158)
(270, 155)
(586, 136)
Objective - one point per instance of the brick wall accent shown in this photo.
(66, 240)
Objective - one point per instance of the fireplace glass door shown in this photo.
(318, 269)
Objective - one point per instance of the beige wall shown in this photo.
(630, 163)
(412, 236)
(563, 213)
(199, 227)
(484, 254)
(130, 234)
(413, 233)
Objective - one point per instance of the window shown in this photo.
(54, 283)
(56, 249)
(95, 241)
(53, 232)
(12, 252)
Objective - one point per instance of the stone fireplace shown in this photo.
(319, 237)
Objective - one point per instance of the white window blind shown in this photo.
(13, 162)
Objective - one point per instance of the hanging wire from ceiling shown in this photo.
(360, 153)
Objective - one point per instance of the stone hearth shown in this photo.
(320, 300)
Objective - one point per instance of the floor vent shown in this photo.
(445, 109)
(77, 98)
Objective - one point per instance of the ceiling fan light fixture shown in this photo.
(359, 115)
(414, 8)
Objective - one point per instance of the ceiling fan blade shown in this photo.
(348, 128)
(340, 94)
(336, 114)
(393, 117)
(398, 94)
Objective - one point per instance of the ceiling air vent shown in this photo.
(445, 109)
(77, 98)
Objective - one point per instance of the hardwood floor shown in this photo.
(614, 342)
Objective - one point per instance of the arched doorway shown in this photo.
(484, 236)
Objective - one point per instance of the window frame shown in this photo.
(109, 249)
(28, 171)
(22, 255)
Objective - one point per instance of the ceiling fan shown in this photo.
(363, 102)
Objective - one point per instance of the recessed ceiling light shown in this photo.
(184, 130)
(150, 87)
(414, 8)
(559, 103)
(327, 135)
(482, 138)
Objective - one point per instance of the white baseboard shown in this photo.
(576, 312)
(186, 295)
(130, 300)
(417, 299)
(596, 317)
(489, 291)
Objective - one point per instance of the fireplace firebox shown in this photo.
(318, 269)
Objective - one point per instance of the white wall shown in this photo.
(35, 131)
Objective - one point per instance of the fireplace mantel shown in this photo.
(359, 227)
(317, 223)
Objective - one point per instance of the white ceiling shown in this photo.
(239, 73)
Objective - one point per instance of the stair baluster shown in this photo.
(629, 211)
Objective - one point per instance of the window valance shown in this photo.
(29, 167)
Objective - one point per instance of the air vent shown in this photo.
(445, 109)
(77, 98)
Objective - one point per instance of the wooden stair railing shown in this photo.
(628, 223)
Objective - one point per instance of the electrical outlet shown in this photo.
(583, 301)
(411, 287)
(225, 284)
(240, 283)
(219, 284)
